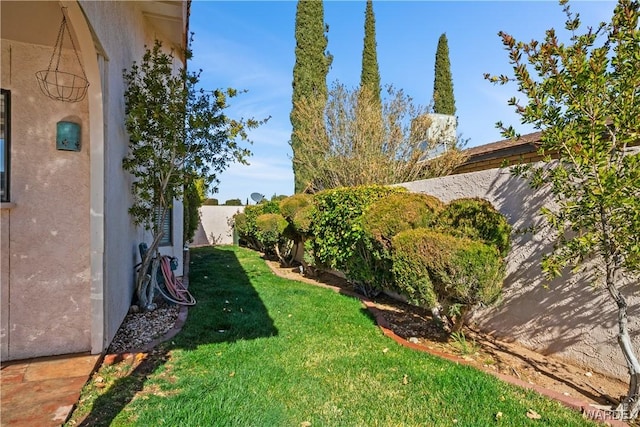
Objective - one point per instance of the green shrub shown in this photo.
(370, 265)
(398, 212)
(410, 272)
(296, 210)
(240, 223)
(210, 202)
(476, 219)
(271, 235)
(302, 220)
(270, 228)
(245, 223)
(233, 202)
(336, 222)
(434, 269)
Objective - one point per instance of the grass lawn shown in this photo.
(259, 350)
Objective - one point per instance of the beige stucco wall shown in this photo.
(568, 316)
(67, 243)
(46, 233)
(122, 32)
(214, 226)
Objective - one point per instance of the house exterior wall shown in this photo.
(67, 243)
(568, 316)
(121, 238)
(45, 233)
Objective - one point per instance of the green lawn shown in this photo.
(259, 350)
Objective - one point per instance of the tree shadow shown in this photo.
(228, 309)
(568, 308)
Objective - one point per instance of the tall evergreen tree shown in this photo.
(370, 76)
(309, 75)
(443, 102)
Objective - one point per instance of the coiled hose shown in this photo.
(177, 292)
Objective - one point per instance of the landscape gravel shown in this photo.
(140, 328)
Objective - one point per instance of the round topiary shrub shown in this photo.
(476, 219)
(398, 212)
(434, 269)
(270, 233)
(370, 265)
(336, 222)
(270, 228)
(292, 204)
(240, 224)
(301, 220)
(296, 210)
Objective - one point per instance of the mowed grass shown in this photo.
(259, 350)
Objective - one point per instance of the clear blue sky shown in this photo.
(251, 45)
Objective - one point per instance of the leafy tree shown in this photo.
(443, 101)
(363, 147)
(370, 75)
(585, 98)
(309, 78)
(175, 132)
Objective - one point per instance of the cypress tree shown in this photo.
(309, 73)
(443, 83)
(370, 75)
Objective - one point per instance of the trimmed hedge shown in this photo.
(476, 219)
(297, 210)
(398, 212)
(370, 265)
(245, 223)
(336, 222)
(270, 229)
(433, 268)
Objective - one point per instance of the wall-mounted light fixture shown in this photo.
(68, 136)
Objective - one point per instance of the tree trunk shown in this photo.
(630, 406)
(145, 282)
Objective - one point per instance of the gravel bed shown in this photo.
(140, 328)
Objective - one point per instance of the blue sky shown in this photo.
(251, 45)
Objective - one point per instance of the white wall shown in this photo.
(568, 316)
(214, 226)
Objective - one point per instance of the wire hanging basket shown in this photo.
(62, 85)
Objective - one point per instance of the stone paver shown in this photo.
(42, 392)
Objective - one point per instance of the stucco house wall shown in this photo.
(67, 243)
(46, 241)
(119, 50)
(567, 317)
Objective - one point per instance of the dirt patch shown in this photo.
(483, 351)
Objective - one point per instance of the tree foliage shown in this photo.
(437, 270)
(309, 77)
(443, 100)
(353, 145)
(176, 132)
(370, 74)
(585, 97)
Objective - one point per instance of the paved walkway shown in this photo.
(42, 392)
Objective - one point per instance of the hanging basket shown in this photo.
(62, 86)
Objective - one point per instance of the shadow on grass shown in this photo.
(228, 309)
